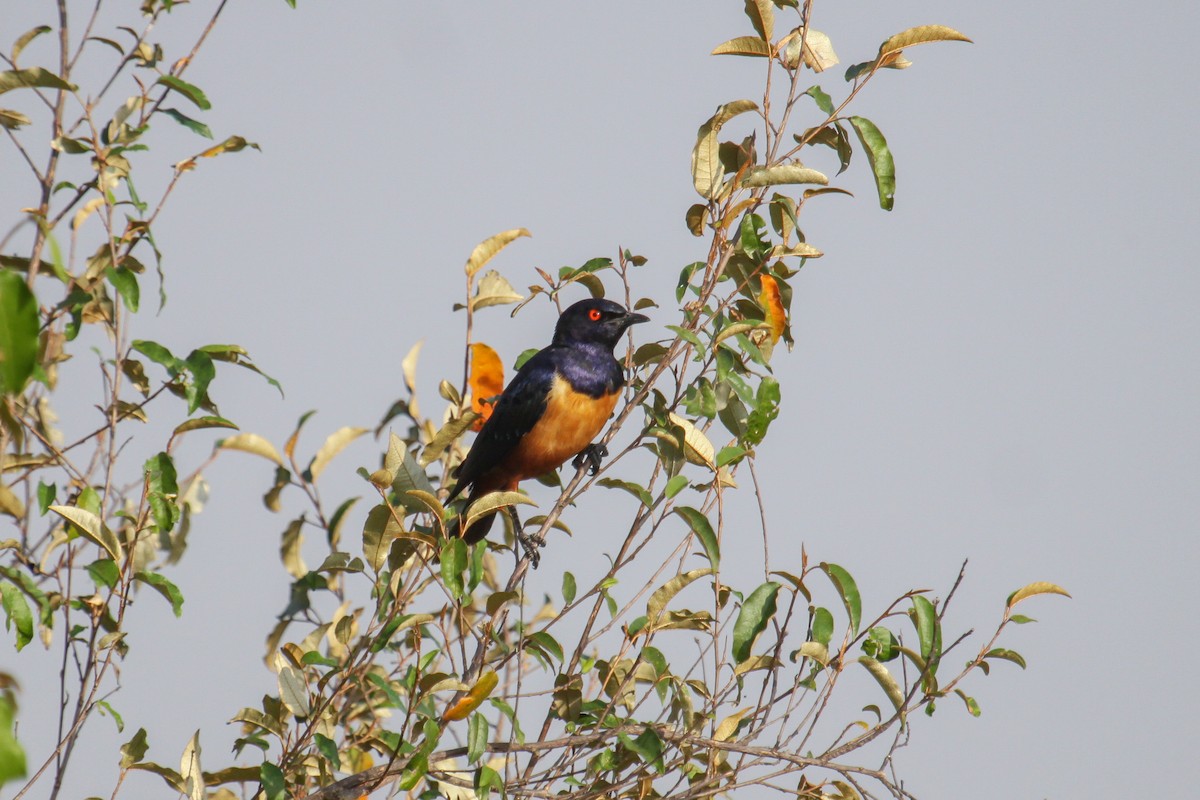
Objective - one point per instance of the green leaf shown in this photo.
(126, 284)
(924, 619)
(880, 644)
(488, 780)
(568, 588)
(159, 355)
(17, 613)
(18, 333)
(972, 706)
(546, 643)
(823, 101)
(200, 364)
(188, 122)
(880, 157)
(675, 485)
(648, 746)
(12, 755)
(329, 750)
(92, 528)
(848, 590)
(704, 532)
(730, 454)
(272, 781)
(164, 587)
(752, 619)
(135, 749)
(29, 78)
(1006, 655)
(634, 489)
(162, 486)
(104, 573)
(186, 89)
(477, 737)
(454, 562)
(766, 409)
(822, 626)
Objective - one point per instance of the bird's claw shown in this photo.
(530, 545)
(591, 455)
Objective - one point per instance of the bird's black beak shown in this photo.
(632, 318)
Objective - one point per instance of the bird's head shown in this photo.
(594, 320)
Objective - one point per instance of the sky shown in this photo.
(998, 371)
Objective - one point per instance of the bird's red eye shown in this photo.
(594, 315)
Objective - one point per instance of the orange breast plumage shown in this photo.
(569, 424)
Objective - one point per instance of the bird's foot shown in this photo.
(530, 545)
(592, 456)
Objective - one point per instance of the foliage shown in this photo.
(405, 657)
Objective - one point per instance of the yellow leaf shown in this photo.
(487, 381)
(88, 208)
(783, 173)
(885, 680)
(484, 251)
(251, 443)
(921, 34)
(707, 171)
(729, 725)
(1040, 587)
(772, 305)
(494, 290)
(11, 504)
(697, 448)
(818, 50)
(472, 699)
(762, 17)
(336, 442)
(743, 46)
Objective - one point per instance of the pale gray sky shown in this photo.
(1000, 369)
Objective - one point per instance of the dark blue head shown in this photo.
(592, 320)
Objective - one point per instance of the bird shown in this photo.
(552, 409)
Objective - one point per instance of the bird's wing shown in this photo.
(520, 407)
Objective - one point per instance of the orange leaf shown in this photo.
(487, 381)
(472, 699)
(772, 305)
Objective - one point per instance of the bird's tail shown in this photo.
(476, 531)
